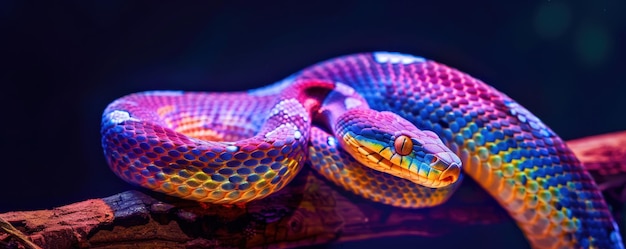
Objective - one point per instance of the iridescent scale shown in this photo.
(165, 141)
(521, 162)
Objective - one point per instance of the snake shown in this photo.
(390, 127)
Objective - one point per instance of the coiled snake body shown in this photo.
(363, 121)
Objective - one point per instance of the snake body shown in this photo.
(237, 147)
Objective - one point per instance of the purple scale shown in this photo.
(478, 105)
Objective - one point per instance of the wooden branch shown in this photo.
(602, 154)
(309, 211)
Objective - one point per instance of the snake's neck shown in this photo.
(338, 102)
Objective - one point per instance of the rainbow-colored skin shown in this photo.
(165, 141)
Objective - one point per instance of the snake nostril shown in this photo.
(438, 164)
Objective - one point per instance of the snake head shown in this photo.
(389, 143)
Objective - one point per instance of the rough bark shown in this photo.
(309, 211)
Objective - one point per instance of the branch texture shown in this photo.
(309, 211)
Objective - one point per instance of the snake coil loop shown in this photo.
(390, 127)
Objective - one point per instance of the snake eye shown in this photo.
(403, 145)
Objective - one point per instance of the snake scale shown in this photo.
(390, 127)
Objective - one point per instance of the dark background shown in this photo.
(64, 62)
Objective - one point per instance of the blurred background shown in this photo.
(64, 62)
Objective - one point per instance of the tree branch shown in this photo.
(309, 211)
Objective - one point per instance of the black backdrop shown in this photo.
(64, 62)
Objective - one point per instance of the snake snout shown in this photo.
(451, 174)
(450, 166)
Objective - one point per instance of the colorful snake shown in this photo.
(390, 127)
